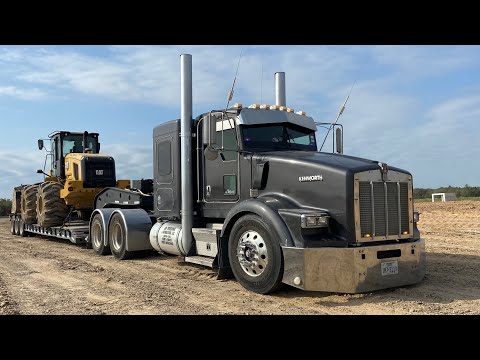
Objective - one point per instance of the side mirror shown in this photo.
(209, 130)
(40, 144)
(339, 140)
(39, 171)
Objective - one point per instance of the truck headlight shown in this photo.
(314, 220)
(416, 216)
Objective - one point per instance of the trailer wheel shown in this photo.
(97, 236)
(12, 225)
(21, 228)
(117, 238)
(255, 256)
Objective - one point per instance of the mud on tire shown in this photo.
(29, 204)
(51, 209)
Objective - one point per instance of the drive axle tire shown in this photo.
(97, 235)
(29, 204)
(51, 209)
(255, 255)
(117, 237)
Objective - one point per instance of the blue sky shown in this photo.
(414, 107)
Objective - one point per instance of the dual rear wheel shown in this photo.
(117, 237)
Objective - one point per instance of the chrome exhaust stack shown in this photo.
(186, 149)
(280, 93)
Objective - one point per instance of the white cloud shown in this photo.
(19, 167)
(24, 94)
(424, 60)
(131, 161)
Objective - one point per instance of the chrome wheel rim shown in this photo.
(252, 253)
(117, 236)
(97, 238)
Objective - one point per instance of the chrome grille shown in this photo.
(384, 208)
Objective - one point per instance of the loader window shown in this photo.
(74, 144)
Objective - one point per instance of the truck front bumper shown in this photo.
(354, 270)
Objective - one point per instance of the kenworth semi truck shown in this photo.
(245, 191)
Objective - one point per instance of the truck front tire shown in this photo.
(117, 237)
(255, 255)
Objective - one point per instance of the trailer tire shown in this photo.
(51, 208)
(97, 236)
(117, 237)
(29, 204)
(255, 256)
(18, 224)
(12, 225)
(21, 228)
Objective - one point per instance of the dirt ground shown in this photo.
(45, 276)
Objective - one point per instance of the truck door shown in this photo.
(221, 183)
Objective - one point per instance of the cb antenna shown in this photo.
(230, 94)
(338, 116)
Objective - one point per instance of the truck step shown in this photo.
(200, 260)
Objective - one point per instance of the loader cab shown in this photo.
(64, 143)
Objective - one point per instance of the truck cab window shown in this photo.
(229, 144)
(286, 136)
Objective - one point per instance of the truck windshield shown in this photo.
(74, 144)
(283, 136)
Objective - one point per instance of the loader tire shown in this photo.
(29, 204)
(51, 208)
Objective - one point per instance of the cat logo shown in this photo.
(99, 172)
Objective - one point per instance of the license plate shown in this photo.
(390, 268)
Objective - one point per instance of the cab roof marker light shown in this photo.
(301, 112)
(290, 110)
(254, 106)
(265, 106)
(274, 107)
(282, 108)
(237, 105)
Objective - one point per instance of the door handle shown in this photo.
(209, 190)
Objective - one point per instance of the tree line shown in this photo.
(5, 206)
(466, 191)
